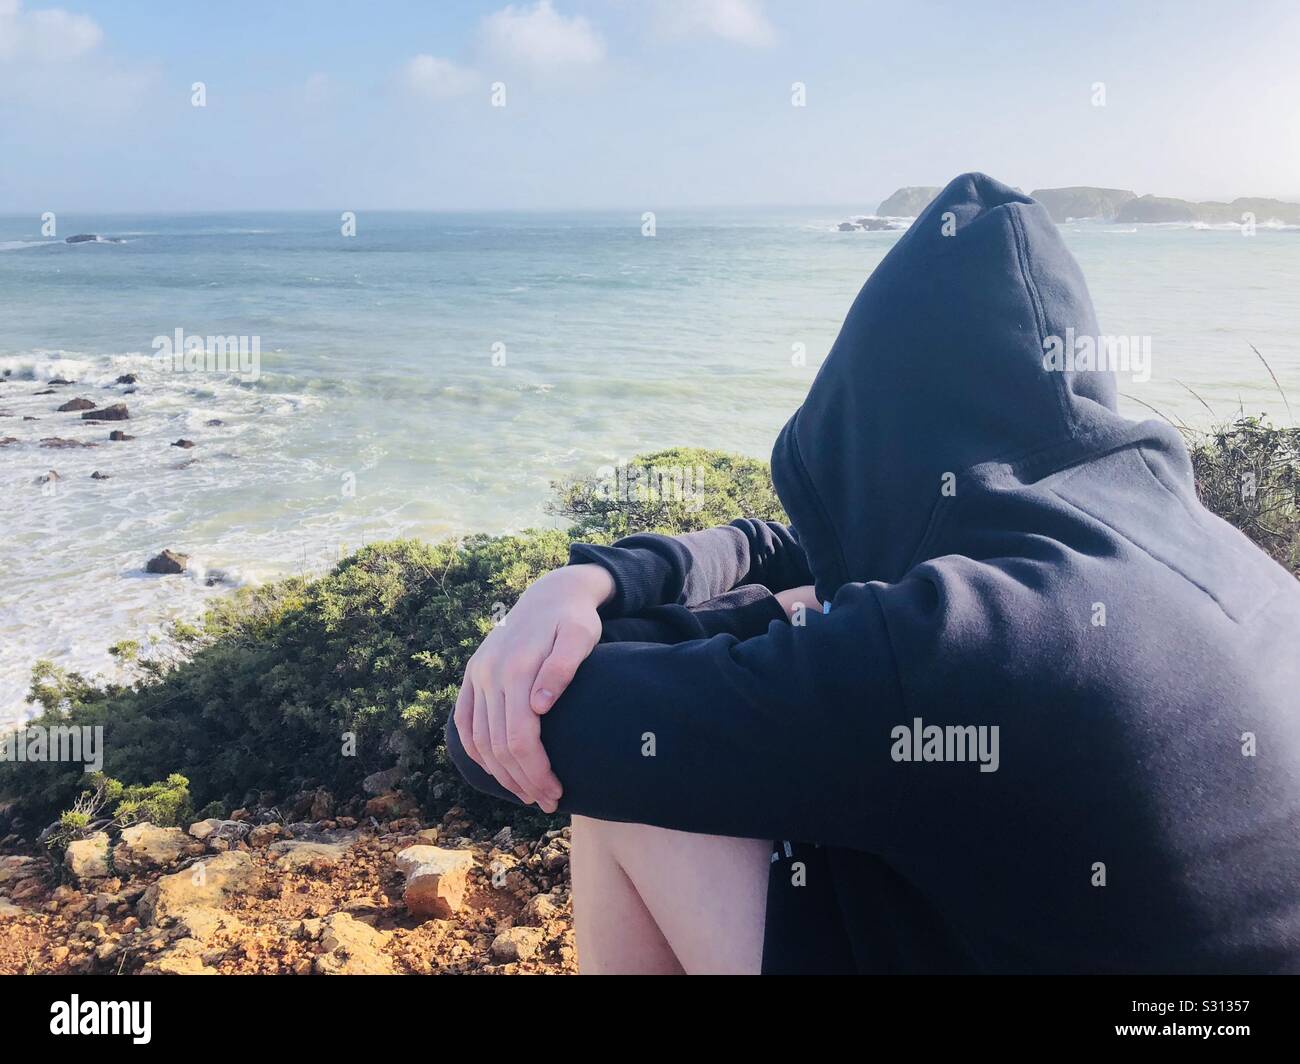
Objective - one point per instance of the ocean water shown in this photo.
(385, 407)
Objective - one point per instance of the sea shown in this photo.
(432, 374)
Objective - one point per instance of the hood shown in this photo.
(940, 367)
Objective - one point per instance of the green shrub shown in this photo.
(307, 683)
(1249, 474)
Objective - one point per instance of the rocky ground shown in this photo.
(327, 897)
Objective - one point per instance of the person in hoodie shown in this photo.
(1035, 713)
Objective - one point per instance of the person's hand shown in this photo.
(520, 670)
(791, 600)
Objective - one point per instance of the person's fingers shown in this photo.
(496, 707)
(571, 647)
(464, 720)
(483, 740)
(524, 741)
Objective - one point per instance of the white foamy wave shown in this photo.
(18, 245)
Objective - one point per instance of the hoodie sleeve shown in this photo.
(744, 613)
(782, 736)
(653, 570)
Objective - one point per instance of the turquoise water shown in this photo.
(381, 410)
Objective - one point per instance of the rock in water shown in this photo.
(126, 378)
(119, 436)
(76, 404)
(167, 563)
(184, 444)
(116, 412)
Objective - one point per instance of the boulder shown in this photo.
(7, 440)
(148, 846)
(9, 909)
(168, 562)
(214, 828)
(97, 475)
(76, 404)
(205, 884)
(378, 783)
(126, 378)
(116, 412)
(62, 444)
(352, 948)
(118, 435)
(304, 855)
(393, 804)
(436, 880)
(543, 907)
(184, 444)
(88, 858)
(517, 944)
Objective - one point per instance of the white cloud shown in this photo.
(49, 35)
(437, 79)
(542, 39)
(739, 21)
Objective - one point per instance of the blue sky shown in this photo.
(635, 103)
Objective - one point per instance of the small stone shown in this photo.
(517, 944)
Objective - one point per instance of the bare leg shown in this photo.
(648, 900)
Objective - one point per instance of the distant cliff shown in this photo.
(1164, 209)
(908, 202)
(1085, 202)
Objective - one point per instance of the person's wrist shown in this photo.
(591, 581)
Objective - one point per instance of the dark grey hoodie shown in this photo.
(1049, 723)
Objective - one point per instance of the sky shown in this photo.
(644, 104)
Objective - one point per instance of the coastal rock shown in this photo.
(59, 443)
(88, 858)
(352, 948)
(436, 879)
(116, 412)
(517, 944)
(392, 805)
(167, 563)
(378, 783)
(1157, 209)
(97, 475)
(311, 856)
(1083, 202)
(846, 227)
(908, 202)
(148, 846)
(7, 440)
(186, 444)
(118, 436)
(213, 829)
(204, 884)
(76, 404)
(126, 378)
(59, 380)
